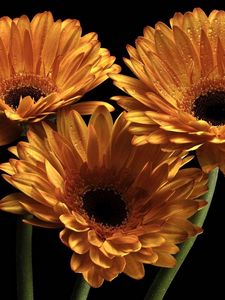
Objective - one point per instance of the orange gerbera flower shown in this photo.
(119, 205)
(45, 65)
(179, 99)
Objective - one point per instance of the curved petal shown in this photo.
(9, 130)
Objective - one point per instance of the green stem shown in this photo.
(81, 289)
(164, 277)
(24, 272)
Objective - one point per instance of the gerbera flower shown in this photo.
(119, 205)
(45, 65)
(179, 99)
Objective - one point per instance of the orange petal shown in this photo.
(16, 50)
(151, 240)
(133, 268)
(206, 55)
(80, 263)
(94, 239)
(4, 62)
(88, 107)
(53, 176)
(93, 278)
(99, 258)
(9, 130)
(145, 256)
(78, 242)
(92, 148)
(122, 245)
(11, 203)
(72, 126)
(102, 122)
(165, 260)
(118, 265)
(208, 157)
(74, 222)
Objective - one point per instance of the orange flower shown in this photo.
(179, 99)
(120, 206)
(46, 65)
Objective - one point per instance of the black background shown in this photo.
(53, 279)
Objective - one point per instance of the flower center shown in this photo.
(210, 107)
(105, 205)
(22, 85)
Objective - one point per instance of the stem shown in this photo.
(81, 289)
(164, 277)
(24, 260)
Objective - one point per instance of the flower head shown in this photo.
(179, 99)
(120, 206)
(46, 65)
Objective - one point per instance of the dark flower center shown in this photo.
(12, 98)
(105, 206)
(210, 107)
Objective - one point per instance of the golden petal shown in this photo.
(5, 23)
(190, 228)
(206, 55)
(70, 36)
(4, 62)
(117, 267)
(120, 143)
(128, 103)
(16, 50)
(72, 126)
(167, 247)
(9, 131)
(54, 177)
(88, 107)
(42, 224)
(40, 211)
(174, 234)
(78, 242)
(167, 81)
(92, 148)
(80, 263)
(102, 122)
(188, 52)
(149, 32)
(11, 203)
(99, 258)
(192, 28)
(74, 224)
(62, 149)
(145, 256)
(59, 208)
(28, 52)
(7, 168)
(50, 46)
(158, 137)
(93, 277)
(167, 51)
(94, 239)
(165, 260)
(133, 268)
(23, 25)
(25, 106)
(121, 245)
(132, 51)
(40, 26)
(208, 156)
(151, 240)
